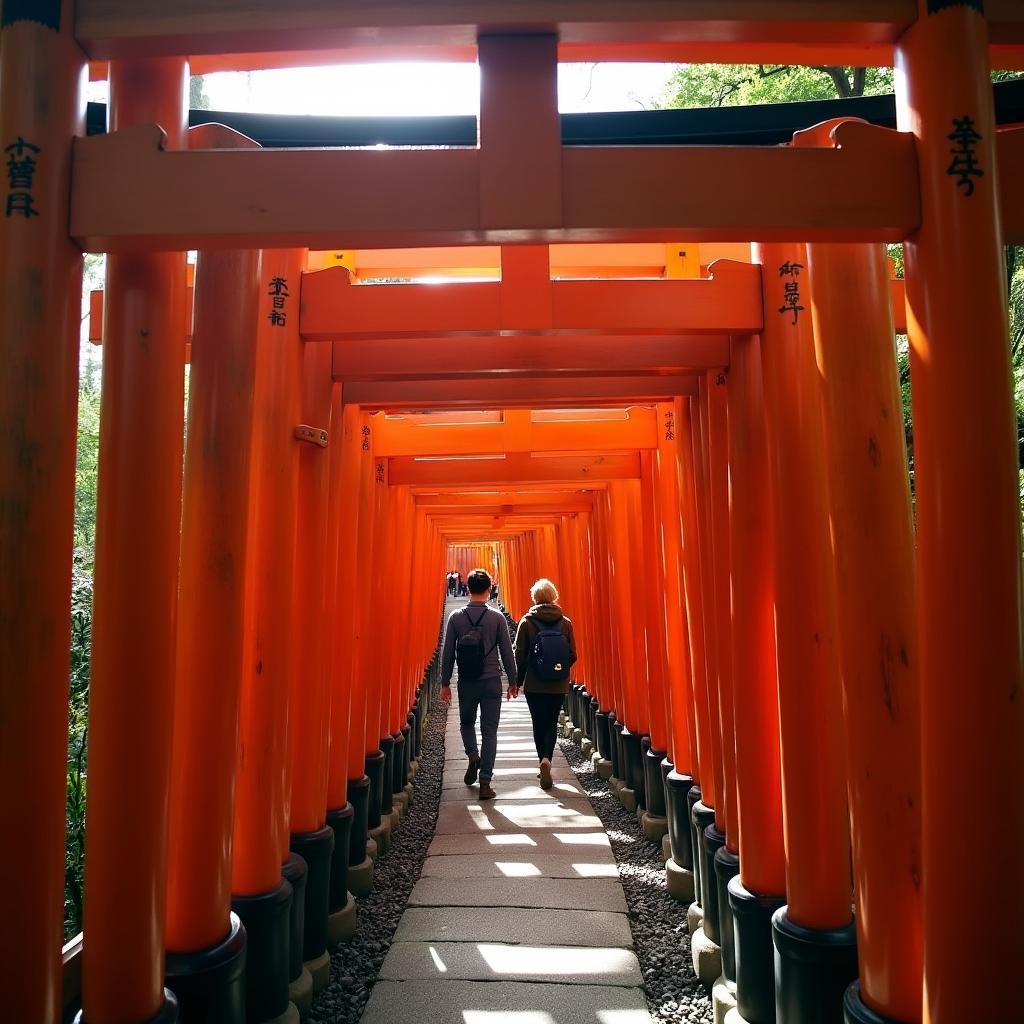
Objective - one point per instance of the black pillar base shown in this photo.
(654, 782)
(592, 711)
(398, 761)
(634, 767)
(618, 759)
(375, 771)
(296, 874)
(340, 823)
(167, 1014)
(410, 748)
(604, 742)
(315, 848)
(713, 841)
(359, 798)
(387, 791)
(414, 721)
(677, 810)
(209, 984)
(813, 969)
(700, 817)
(755, 954)
(267, 920)
(856, 1011)
(727, 867)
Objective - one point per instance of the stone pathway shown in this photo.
(519, 916)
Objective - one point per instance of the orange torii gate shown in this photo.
(146, 195)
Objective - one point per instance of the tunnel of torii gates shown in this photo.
(776, 662)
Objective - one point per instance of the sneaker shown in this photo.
(486, 792)
(545, 774)
(472, 770)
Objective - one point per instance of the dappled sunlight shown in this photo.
(507, 1017)
(581, 838)
(480, 819)
(623, 1017)
(556, 961)
(438, 962)
(596, 870)
(512, 839)
(514, 869)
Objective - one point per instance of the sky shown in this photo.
(421, 89)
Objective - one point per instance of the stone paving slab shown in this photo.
(480, 961)
(544, 893)
(475, 1002)
(509, 790)
(519, 844)
(597, 862)
(514, 816)
(515, 925)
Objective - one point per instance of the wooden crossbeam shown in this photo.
(516, 468)
(517, 392)
(517, 432)
(129, 193)
(246, 34)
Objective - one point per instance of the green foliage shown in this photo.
(86, 472)
(717, 85)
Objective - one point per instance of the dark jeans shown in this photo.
(484, 695)
(544, 709)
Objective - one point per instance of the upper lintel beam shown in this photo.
(852, 32)
(130, 194)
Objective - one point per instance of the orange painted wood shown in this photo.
(520, 135)
(310, 698)
(358, 360)
(968, 509)
(698, 30)
(128, 193)
(138, 538)
(38, 402)
(517, 468)
(810, 701)
(756, 709)
(532, 393)
(262, 786)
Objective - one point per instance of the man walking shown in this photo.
(473, 638)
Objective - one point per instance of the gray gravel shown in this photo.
(658, 922)
(355, 965)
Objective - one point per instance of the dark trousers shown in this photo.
(544, 710)
(484, 695)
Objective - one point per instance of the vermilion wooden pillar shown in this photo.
(215, 519)
(39, 335)
(759, 888)
(309, 703)
(814, 934)
(968, 511)
(261, 896)
(136, 594)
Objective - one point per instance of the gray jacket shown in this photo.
(495, 635)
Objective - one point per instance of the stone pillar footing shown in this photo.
(694, 916)
(587, 747)
(401, 804)
(290, 1016)
(680, 883)
(666, 848)
(372, 849)
(300, 992)
(381, 835)
(410, 791)
(604, 768)
(627, 797)
(342, 924)
(707, 958)
(319, 970)
(723, 998)
(360, 877)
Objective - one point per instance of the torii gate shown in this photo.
(141, 194)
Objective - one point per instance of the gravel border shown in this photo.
(658, 923)
(356, 964)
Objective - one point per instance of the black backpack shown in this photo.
(470, 655)
(551, 655)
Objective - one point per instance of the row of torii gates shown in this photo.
(711, 464)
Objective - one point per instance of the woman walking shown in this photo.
(545, 651)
